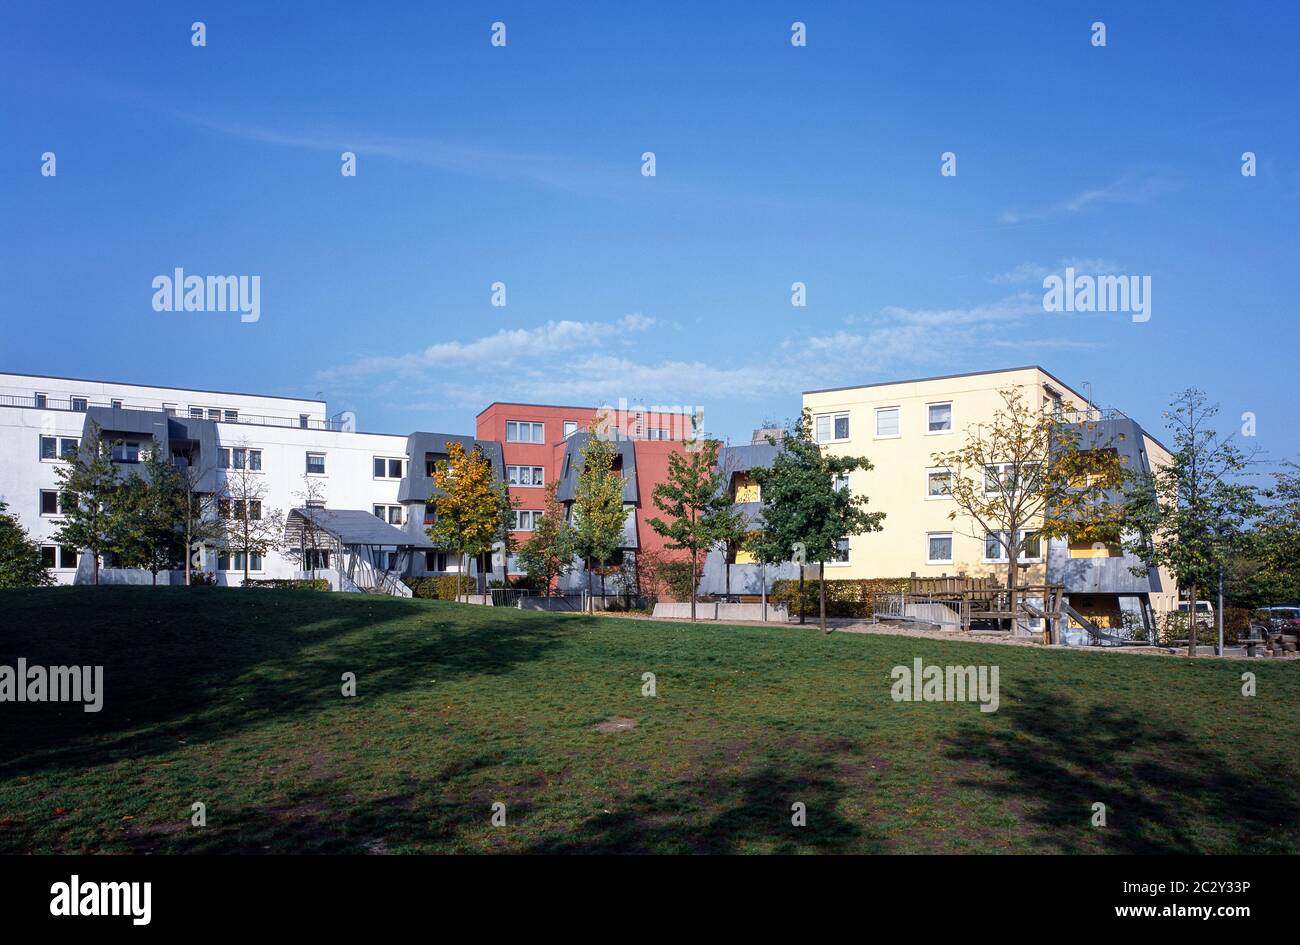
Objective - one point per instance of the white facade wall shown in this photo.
(271, 424)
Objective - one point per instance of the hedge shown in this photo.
(320, 584)
(844, 598)
(442, 587)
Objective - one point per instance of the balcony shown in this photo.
(80, 404)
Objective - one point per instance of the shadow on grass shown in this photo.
(1163, 792)
(189, 665)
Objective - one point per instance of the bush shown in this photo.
(845, 598)
(1171, 627)
(320, 584)
(203, 579)
(441, 587)
(676, 577)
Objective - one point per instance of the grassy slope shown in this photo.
(232, 697)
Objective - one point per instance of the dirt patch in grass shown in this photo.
(616, 723)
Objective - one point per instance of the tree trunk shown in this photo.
(1191, 621)
(821, 591)
(95, 559)
(801, 620)
(762, 580)
(692, 587)
(726, 561)
(154, 575)
(591, 604)
(1012, 581)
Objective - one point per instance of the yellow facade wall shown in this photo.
(898, 485)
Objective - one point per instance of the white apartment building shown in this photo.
(292, 443)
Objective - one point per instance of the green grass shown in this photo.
(232, 698)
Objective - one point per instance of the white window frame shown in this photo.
(534, 473)
(840, 481)
(1006, 557)
(388, 461)
(74, 399)
(832, 416)
(929, 559)
(535, 427)
(534, 516)
(876, 434)
(566, 428)
(58, 504)
(952, 422)
(307, 470)
(938, 470)
(848, 554)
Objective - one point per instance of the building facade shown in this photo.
(900, 426)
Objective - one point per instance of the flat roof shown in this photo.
(197, 390)
(948, 377)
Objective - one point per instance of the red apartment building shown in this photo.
(534, 441)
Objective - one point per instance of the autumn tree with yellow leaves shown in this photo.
(468, 505)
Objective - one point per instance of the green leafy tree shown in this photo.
(249, 527)
(807, 506)
(549, 553)
(1025, 476)
(92, 514)
(20, 555)
(203, 525)
(695, 504)
(152, 513)
(468, 510)
(1190, 515)
(598, 513)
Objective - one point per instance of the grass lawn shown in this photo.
(232, 698)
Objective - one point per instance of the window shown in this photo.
(235, 562)
(79, 404)
(67, 557)
(656, 433)
(313, 559)
(570, 428)
(255, 460)
(302, 420)
(841, 481)
(41, 401)
(887, 421)
(831, 426)
(126, 451)
(214, 413)
(938, 483)
(49, 447)
(386, 468)
(841, 553)
(995, 546)
(169, 409)
(999, 477)
(939, 417)
(392, 514)
(525, 476)
(526, 520)
(47, 556)
(435, 561)
(938, 548)
(116, 404)
(519, 431)
(196, 413)
(223, 457)
(232, 416)
(68, 446)
(316, 464)
(51, 502)
(58, 447)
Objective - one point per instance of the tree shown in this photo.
(598, 513)
(549, 552)
(808, 508)
(152, 513)
(20, 555)
(731, 531)
(467, 513)
(695, 503)
(249, 527)
(505, 535)
(199, 514)
(92, 518)
(1267, 569)
(1026, 476)
(1190, 514)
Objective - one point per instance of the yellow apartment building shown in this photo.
(899, 426)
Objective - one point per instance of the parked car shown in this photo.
(1280, 617)
(1204, 612)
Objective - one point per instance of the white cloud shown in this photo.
(1130, 189)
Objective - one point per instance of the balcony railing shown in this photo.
(80, 404)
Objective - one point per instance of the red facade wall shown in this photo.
(651, 455)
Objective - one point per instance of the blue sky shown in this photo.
(775, 164)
